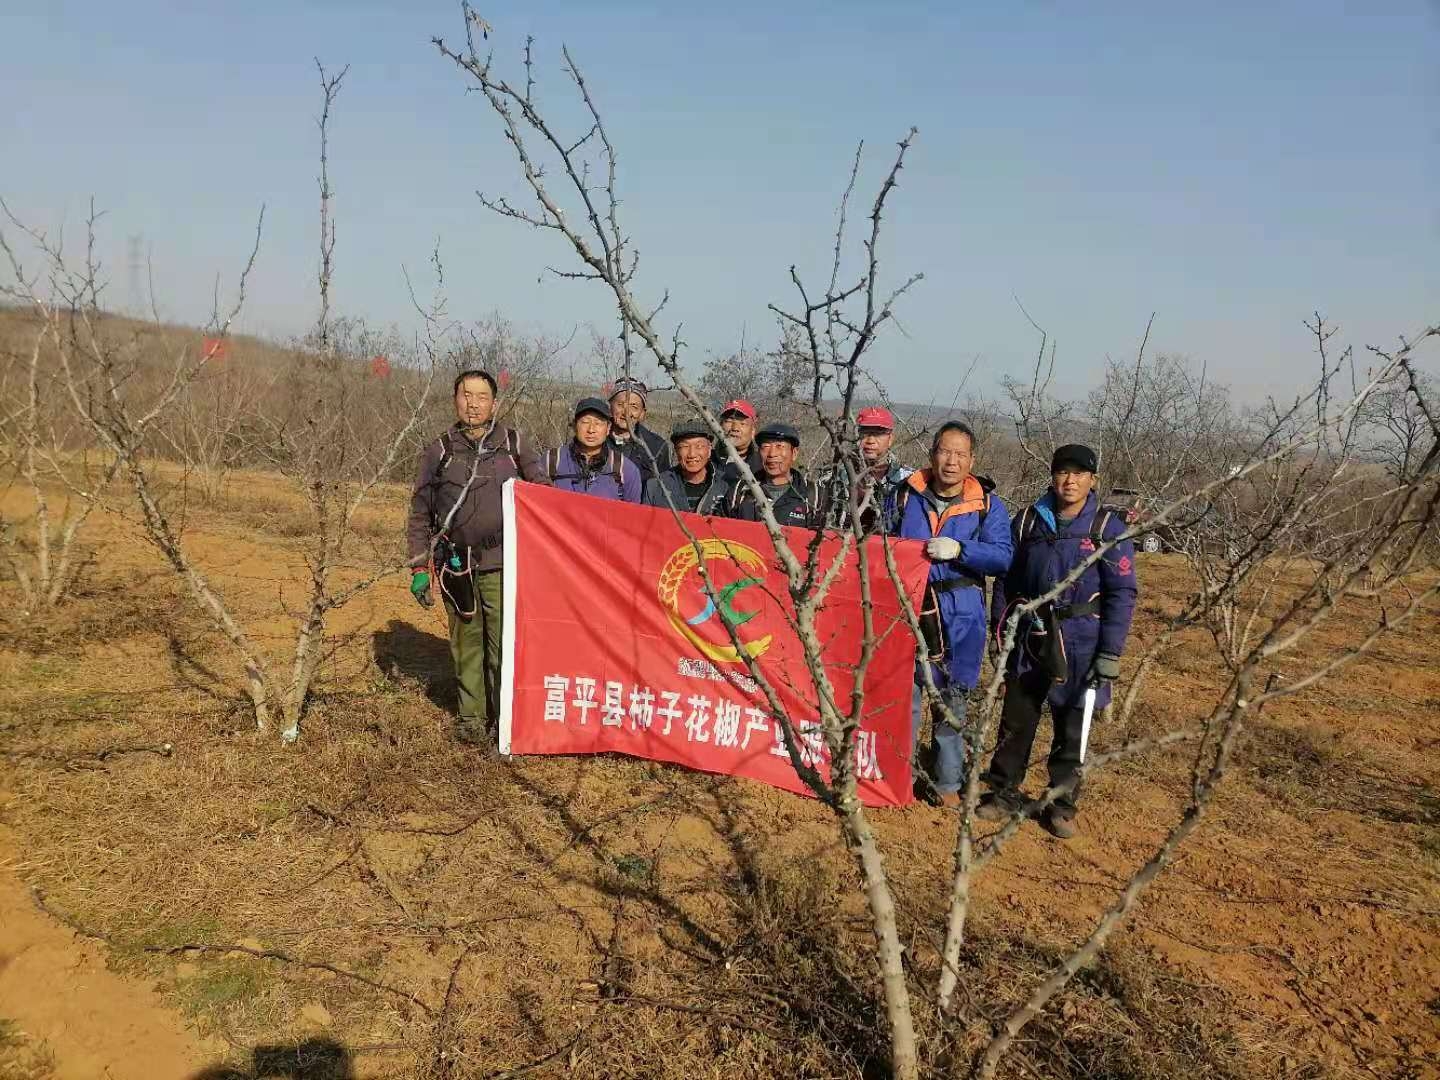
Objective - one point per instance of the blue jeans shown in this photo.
(946, 761)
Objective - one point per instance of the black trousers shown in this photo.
(1024, 698)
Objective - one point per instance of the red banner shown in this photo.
(614, 644)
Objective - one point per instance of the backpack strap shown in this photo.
(1099, 523)
(617, 468)
(1023, 526)
(447, 454)
(512, 447)
(733, 497)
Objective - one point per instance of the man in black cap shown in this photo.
(632, 438)
(790, 496)
(589, 464)
(693, 483)
(1067, 652)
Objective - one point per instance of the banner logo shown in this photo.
(680, 580)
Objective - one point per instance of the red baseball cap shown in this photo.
(740, 405)
(875, 417)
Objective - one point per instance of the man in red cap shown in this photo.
(881, 511)
(738, 418)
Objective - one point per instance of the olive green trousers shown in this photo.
(475, 650)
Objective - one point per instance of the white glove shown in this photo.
(942, 548)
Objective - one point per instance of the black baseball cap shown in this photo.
(779, 433)
(592, 404)
(1076, 457)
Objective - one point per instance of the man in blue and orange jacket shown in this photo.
(1091, 618)
(966, 530)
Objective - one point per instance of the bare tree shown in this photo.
(1398, 434)
(45, 451)
(337, 431)
(1260, 598)
(777, 380)
(1141, 409)
(834, 338)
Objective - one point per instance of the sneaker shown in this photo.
(996, 806)
(951, 800)
(1059, 822)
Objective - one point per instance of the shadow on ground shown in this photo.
(404, 652)
(313, 1059)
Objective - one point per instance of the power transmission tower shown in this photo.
(135, 261)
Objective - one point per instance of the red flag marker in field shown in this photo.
(214, 348)
(504, 378)
(380, 367)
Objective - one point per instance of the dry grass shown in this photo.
(21, 1058)
(605, 917)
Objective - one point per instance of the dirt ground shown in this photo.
(380, 902)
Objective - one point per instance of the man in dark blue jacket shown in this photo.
(694, 482)
(1091, 619)
(966, 531)
(791, 498)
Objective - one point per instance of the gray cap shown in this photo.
(691, 429)
(592, 404)
(779, 433)
(627, 384)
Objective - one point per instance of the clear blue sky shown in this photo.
(1230, 166)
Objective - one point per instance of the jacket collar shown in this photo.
(711, 473)
(1045, 508)
(598, 463)
(797, 484)
(493, 436)
(972, 493)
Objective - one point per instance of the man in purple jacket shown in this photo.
(588, 463)
(1091, 618)
(456, 520)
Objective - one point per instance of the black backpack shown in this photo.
(615, 464)
(1024, 526)
(447, 450)
(447, 455)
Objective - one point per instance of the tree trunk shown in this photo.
(903, 1053)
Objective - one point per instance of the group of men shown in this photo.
(1064, 652)
(613, 454)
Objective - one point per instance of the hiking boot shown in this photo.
(472, 733)
(997, 806)
(1059, 822)
(951, 800)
